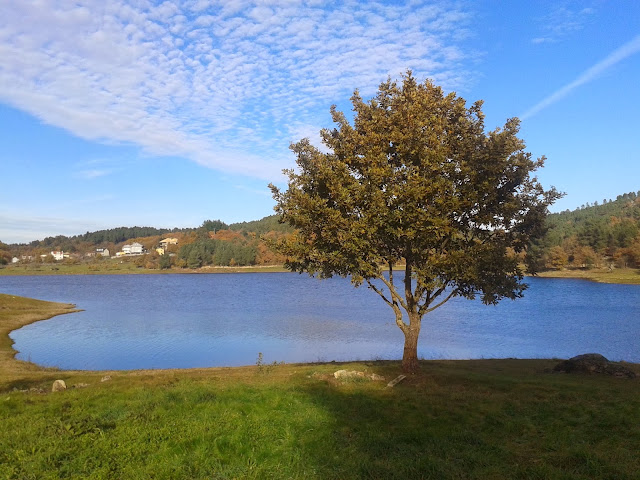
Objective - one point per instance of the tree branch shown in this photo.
(438, 292)
(394, 305)
(379, 292)
(427, 310)
(397, 298)
(408, 293)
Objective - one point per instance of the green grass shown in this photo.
(617, 275)
(103, 267)
(484, 419)
(455, 420)
(107, 267)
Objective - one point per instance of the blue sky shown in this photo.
(123, 113)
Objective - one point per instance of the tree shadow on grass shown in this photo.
(392, 434)
(460, 425)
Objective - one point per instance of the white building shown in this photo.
(133, 249)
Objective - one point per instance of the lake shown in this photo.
(185, 321)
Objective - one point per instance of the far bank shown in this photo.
(627, 276)
(127, 268)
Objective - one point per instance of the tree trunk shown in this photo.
(410, 355)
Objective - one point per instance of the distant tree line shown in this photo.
(213, 225)
(267, 224)
(112, 235)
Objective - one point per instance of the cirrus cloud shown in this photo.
(630, 48)
(226, 84)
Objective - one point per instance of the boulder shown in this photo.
(347, 374)
(354, 374)
(58, 386)
(593, 363)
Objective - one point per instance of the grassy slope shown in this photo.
(458, 419)
(16, 312)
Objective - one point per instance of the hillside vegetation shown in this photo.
(603, 235)
(214, 243)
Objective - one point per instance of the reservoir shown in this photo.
(212, 320)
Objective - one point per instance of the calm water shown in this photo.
(182, 321)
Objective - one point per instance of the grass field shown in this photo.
(618, 275)
(108, 267)
(455, 420)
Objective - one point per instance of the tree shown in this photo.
(415, 183)
(196, 257)
(213, 225)
(164, 262)
(558, 258)
(5, 255)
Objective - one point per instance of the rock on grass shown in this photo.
(593, 363)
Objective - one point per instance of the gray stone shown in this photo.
(355, 374)
(593, 363)
(58, 386)
(347, 374)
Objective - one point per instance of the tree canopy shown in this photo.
(416, 184)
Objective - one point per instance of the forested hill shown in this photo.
(212, 243)
(112, 235)
(123, 234)
(265, 225)
(606, 234)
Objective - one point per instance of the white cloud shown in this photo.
(562, 20)
(214, 81)
(91, 174)
(630, 48)
(539, 40)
